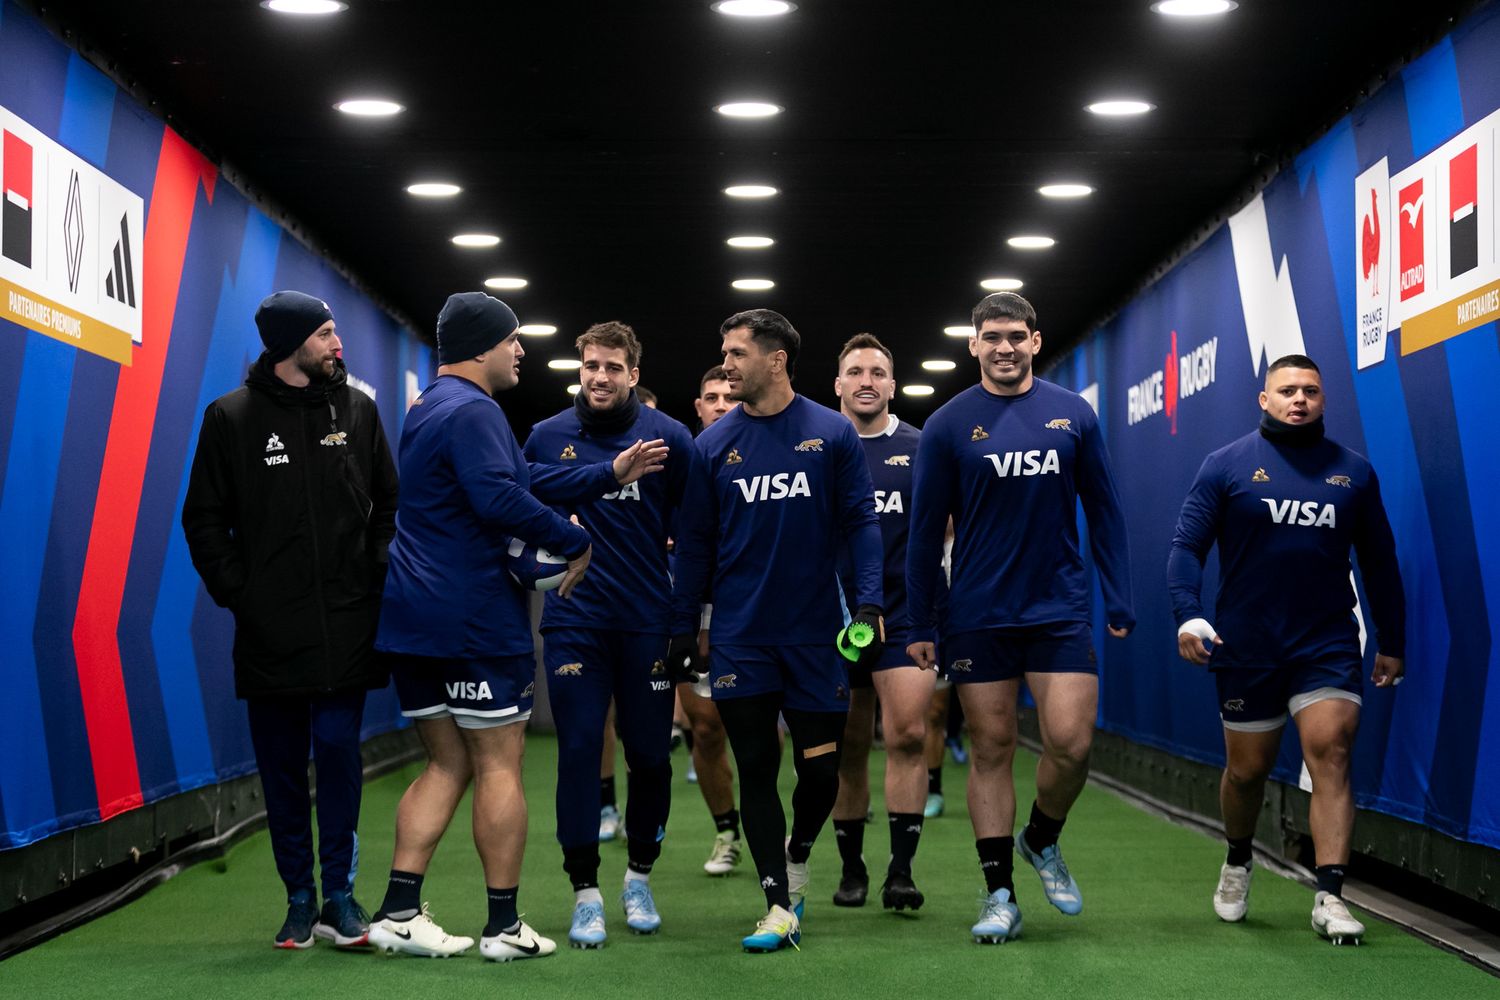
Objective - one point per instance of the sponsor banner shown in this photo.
(1182, 375)
(71, 250)
(1372, 250)
(1448, 320)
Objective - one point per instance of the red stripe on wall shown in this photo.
(106, 711)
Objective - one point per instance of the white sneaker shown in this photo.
(524, 943)
(609, 824)
(1332, 920)
(725, 854)
(417, 936)
(1232, 897)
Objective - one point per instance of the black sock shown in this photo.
(1240, 851)
(582, 866)
(935, 781)
(906, 830)
(403, 896)
(1041, 833)
(850, 835)
(728, 821)
(502, 911)
(799, 847)
(606, 791)
(995, 862)
(1330, 879)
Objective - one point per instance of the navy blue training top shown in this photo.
(890, 455)
(628, 586)
(1011, 471)
(769, 503)
(464, 494)
(1284, 517)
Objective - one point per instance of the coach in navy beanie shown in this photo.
(470, 324)
(286, 320)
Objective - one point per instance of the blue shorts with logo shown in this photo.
(809, 678)
(893, 655)
(1258, 699)
(1002, 654)
(476, 693)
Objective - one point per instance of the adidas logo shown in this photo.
(273, 443)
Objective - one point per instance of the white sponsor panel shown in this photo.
(1375, 224)
(1266, 297)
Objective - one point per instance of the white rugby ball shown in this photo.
(533, 567)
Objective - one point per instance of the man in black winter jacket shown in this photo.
(290, 507)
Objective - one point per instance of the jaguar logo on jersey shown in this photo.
(1339, 481)
(1179, 377)
(733, 458)
(811, 444)
(1025, 463)
(979, 434)
(898, 460)
(1303, 513)
(569, 670)
(1260, 476)
(568, 453)
(1058, 424)
(727, 681)
(273, 443)
(777, 486)
(338, 438)
(961, 666)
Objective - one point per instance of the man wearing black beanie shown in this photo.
(290, 507)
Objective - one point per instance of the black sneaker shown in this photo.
(301, 912)
(853, 888)
(343, 921)
(900, 893)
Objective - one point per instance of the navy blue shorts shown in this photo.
(893, 655)
(809, 678)
(1259, 699)
(1002, 654)
(477, 693)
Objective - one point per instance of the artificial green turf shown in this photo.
(1148, 928)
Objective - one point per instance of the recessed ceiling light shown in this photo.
(1193, 8)
(433, 189)
(753, 8)
(748, 109)
(750, 191)
(505, 284)
(1000, 285)
(1065, 190)
(369, 107)
(305, 6)
(536, 329)
(1117, 109)
(476, 240)
(918, 390)
(750, 242)
(939, 366)
(959, 331)
(753, 284)
(565, 364)
(573, 389)
(1031, 242)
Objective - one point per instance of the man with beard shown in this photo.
(1009, 460)
(290, 507)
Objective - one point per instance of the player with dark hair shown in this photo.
(1285, 505)
(609, 640)
(1009, 460)
(778, 487)
(865, 384)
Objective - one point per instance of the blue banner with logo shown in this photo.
(1376, 254)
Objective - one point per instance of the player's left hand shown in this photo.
(1388, 671)
(640, 459)
(874, 617)
(1118, 633)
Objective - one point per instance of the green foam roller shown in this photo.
(854, 637)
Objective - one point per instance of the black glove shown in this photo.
(869, 620)
(684, 665)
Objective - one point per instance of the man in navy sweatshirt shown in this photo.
(1285, 504)
(456, 625)
(609, 640)
(778, 487)
(1009, 460)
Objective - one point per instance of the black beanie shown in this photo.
(470, 324)
(286, 320)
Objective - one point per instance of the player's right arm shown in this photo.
(1197, 527)
(696, 530)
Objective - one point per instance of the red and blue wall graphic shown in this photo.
(1393, 286)
(115, 678)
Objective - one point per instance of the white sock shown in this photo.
(635, 876)
(588, 896)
